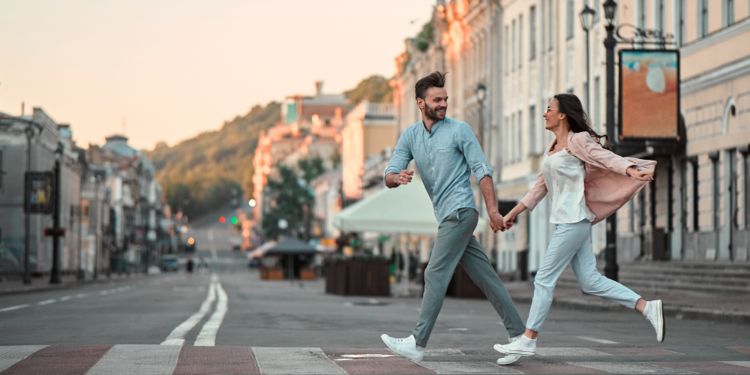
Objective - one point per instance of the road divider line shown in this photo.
(601, 341)
(46, 302)
(13, 308)
(63, 299)
(207, 336)
(177, 337)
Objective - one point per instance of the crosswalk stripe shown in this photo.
(138, 359)
(738, 363)
(63, 359)
(295, 361)
(207, 336)
(601, 341)
(216, 360)
(9, 355)
(177, 337)
(569, 352)
(631, 368)
(467, 368)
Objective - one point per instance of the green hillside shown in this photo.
(199, 174)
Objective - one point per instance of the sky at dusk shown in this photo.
(174, 69)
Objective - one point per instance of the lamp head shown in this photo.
(610, 10)
(481, 92)
(587, 18)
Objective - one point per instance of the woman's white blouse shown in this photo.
(563, 175)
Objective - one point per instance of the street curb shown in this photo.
(67, 286)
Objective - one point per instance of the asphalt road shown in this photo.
(299, 314)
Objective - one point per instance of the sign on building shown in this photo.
(649, 94)
(39, 194)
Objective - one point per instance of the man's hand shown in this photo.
(496, 222)
(404, 177)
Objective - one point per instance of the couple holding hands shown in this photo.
(585, 182)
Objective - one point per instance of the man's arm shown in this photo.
(396, 174)
(488, 191)
(469, 146)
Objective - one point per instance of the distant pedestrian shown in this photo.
(446, 152)
(586, 183)
(189, 265)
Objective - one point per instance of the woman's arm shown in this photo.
(536, 194)
(511, 216)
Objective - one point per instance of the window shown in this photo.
(513, 47)
(598, 9)
(520, 135)
(681, 31)
(728, 13)
(660, 15)
(715, 188)
(641, 14)
(507, 50)
(702, 18)
(695, 194)
(570, 19)
(513, 137)
(597, 105)
(551, 23)
(532, 131)
(532, 33)
(506, 140)
(520, 41)
(85, 211)
(2, 171)
(746, 186)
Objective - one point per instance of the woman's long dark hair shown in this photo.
(571, 106)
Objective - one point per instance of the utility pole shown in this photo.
(610, 253)
(27, 215)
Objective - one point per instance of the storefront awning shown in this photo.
(406, 209)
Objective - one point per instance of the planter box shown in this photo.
(461, 285)
(356, 277)
(307, 274)
(271, 274)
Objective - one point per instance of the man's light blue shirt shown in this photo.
(445, 159)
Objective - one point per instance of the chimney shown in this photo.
(318, 87)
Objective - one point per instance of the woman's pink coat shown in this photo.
(606, 187)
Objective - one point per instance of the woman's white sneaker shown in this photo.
(510, 358)
(654, 312)
(406, 347)
(524, 346)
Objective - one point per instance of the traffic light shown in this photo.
(234, 221)
(222, 219)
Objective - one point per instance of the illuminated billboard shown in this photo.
(649, 94)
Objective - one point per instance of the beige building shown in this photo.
(368, 131)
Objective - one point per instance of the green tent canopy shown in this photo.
(406, 209)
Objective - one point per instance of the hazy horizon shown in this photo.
(174, 69)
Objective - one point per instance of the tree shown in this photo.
(375, 88)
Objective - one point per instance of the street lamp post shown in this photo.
(610, 253)
(587, 19)
(56, 231)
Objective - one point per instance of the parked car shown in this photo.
(169, 262)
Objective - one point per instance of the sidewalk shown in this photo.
(13, 284)
(730, 308)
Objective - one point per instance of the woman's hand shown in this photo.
(640, 175)
(508, 219)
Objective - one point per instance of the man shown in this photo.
(446, 152)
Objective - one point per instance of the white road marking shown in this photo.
(66, 298)
(207, 336)
(46, 302)
(104, 292)
(631, 368)
(458, 329)
(137, 359)
(601, 341)
(569, 352)
(738, 363)
(81, 295)
(13, 308)
(467, 368)
(441, 352)
(9, 355)
(294, 361)
(368, 355)
(177, 337)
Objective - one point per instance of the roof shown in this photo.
(291, 246)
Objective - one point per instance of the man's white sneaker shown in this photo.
(406, 347)
(654, 312)
(510, 358)
(523, 346)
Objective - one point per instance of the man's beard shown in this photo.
(431, 113)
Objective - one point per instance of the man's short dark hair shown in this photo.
(434, 79)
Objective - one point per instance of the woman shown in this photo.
(586, 183)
